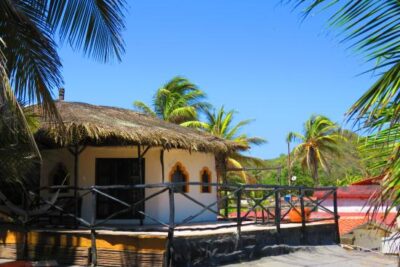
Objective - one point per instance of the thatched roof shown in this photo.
(87, 124)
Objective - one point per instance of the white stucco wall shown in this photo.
(349, 205)
(157, 207)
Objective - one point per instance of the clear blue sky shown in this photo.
(256, 57)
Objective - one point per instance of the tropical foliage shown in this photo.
(318, 144)
(372, 28)
(342, 172)
(30, 66)
(220, 123)
(18, 150)
(354, 164)
(177, 101)
(29, 29)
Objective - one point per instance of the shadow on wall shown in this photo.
(17, 244)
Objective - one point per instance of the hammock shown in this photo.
(34, 212)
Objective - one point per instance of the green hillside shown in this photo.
(353, 165)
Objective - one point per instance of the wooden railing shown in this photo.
(240, 204)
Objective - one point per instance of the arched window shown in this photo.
(59, 176)
(205, 178)
(178, 174)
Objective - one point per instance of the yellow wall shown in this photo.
(143, 243)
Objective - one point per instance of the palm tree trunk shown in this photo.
(289, 163)
(220, 162)
(315, 174)
(314, 166)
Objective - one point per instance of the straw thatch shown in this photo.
(87, 124)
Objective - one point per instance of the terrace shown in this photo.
(258, 216)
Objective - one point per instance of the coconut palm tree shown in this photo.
(220, 123)
(383, 148)
(29, 29)
(372, 28)
(30, 65)
(320, 141)
(17, 146)
(179, 100)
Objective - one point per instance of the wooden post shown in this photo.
(278, 213)
(171, 227)
(76, 152)
(335, 211)
(25, 243)
(139, 151)
(162, 165)
(93, 249)
(224, 181)
(239, 218)
(303, 218)
(140, 163)
(76, 170)
(263, 214)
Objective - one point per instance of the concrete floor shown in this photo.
(326, 256)
(192, 229)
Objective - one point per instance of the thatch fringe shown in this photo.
(86, 124)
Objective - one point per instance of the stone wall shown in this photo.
(214, 250)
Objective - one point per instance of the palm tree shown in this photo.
(30, 65)
(29, 28)
(372, 28)
(383, 148)
(220, 123)
(177, 101)
(17, 145)
(320, 141)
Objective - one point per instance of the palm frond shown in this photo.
(372, 28)
(225, 120)
(234, 130)
(248, 160)
(234, 164)
(32, 59)
(177, 101)
(196, 124)
(92, 25)
(384, 93)
(13, 125)
(181, 114)
(142, 107)
(255, 140)
(293, 136)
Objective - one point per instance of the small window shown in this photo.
(60, 176)
(178, 174)
(205, 178)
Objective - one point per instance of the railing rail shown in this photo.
(240, 204)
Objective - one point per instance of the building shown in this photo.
(106, 146)
(360, 224)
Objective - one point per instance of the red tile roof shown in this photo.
(370, 181)
(347, 221)
(351, 220)
(352, 192)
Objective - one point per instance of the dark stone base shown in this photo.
(220, 249)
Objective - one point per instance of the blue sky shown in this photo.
(256, 57)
